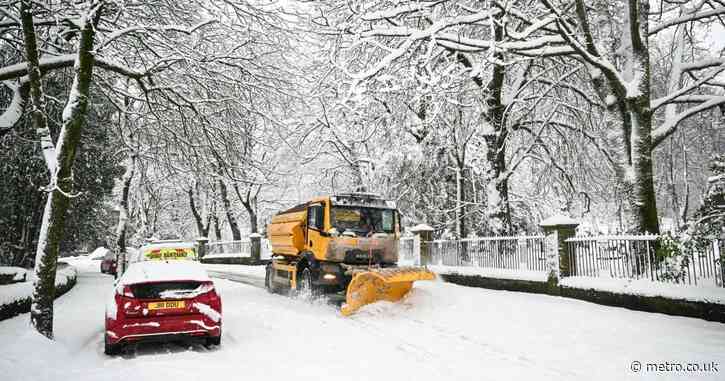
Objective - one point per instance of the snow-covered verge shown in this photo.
(439, 332)
(255, 271)
(16, 298)
(536, 276)
(640, 287)
(644, 287)
(12, 274)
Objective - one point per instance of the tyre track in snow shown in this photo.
(419, 351)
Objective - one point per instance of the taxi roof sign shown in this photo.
(165, 251)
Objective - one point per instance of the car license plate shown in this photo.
(167, 305)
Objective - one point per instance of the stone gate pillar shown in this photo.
(255, 240)
(558, 229)
(201, 247)
(425, 233)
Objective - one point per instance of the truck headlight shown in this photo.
(329, 276)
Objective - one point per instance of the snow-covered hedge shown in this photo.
(12, 274)
(15, 298)
(642, 295)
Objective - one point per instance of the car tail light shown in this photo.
(125, 291)
(208, 296)
(206, 287)
(126, 301)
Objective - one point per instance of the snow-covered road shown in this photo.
(440, 332)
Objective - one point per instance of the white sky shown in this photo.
(717, 37)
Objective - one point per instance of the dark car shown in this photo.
(108, 264)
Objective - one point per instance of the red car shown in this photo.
(163, 301)
(108, 264)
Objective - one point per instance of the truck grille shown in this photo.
(363, 256)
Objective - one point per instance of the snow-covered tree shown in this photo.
(613, 40)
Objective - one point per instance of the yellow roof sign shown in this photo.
(167, 253)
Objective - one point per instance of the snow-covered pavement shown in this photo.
(440, 332)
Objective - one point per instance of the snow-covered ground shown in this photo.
(537, 276)
(440, 332)
(255, 271)
(646, 287)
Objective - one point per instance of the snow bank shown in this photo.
(163, 271)
(644, 287)
(536, 276)
(18, 274)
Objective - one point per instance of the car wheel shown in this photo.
(110, 349)
(213, 341)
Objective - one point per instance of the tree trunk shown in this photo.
(217, 228)
(686, 180)
(250, 204)
(45, 265)
(642, 197)
(497, 198)
(498, 209)
(357, 172)
(628, 113)
(51, 232)
(201, 229)
(250, 207)
(123, 214)
(236, 235)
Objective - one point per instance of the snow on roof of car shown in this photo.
(163, 271)
(98, 253)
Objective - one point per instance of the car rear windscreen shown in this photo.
(166, 290)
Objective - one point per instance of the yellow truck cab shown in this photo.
(321, 245)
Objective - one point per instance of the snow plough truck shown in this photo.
(343, 243)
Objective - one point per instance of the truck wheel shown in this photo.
(268, 283)
(305, 288)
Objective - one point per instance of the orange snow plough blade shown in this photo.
(390, 284)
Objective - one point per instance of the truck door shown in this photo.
(315, 229)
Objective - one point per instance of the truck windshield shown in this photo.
(362, 221)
